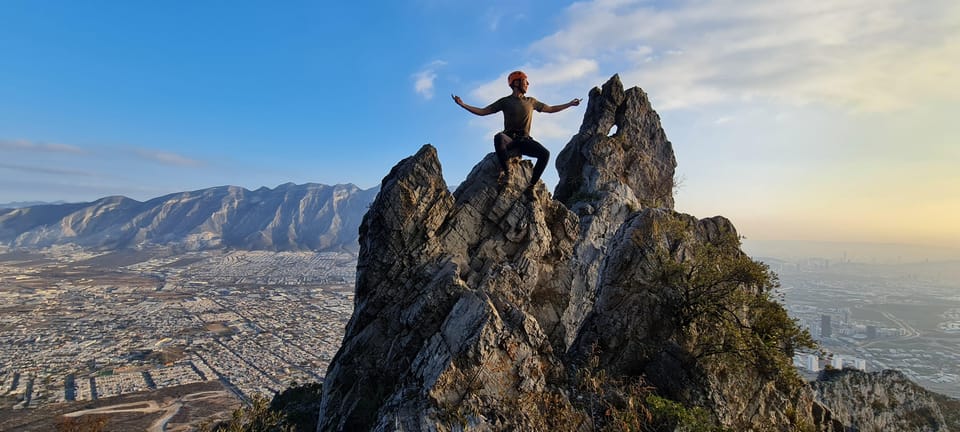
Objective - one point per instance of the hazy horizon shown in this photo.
(854, 252)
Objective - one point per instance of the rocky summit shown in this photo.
(490, 309)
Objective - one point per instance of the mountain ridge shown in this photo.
(310, 216)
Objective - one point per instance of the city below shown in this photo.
(879, 316)
(77, 326)
(80, 330)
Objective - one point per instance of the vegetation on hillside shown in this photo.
(722, 301)
(293, 410)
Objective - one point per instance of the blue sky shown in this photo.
(798, 120)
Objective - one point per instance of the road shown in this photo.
(170, 409)
(909, 331)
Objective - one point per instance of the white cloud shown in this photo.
(831, 88)
(551, 83)
(869, 55)
(32, 169)
(423, 80)
(166, 158)
(544, 80)
(27, 145)
(557, 127)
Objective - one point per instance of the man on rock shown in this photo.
(517, 111)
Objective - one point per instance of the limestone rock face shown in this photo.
(604, 178)
(883, 401)
(488, 309)
(635, 162)
(634, 327)
(458, 301)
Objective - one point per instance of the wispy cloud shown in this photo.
(551, 83)
(495, 16)
(722, 120)
(36, 146)
(493, 19)
(47, 170)
(544, 79)
(76, 191)
(162, 157)
(871, 55)
(166, 158)
(423, 80)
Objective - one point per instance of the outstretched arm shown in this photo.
(473, 109)
(558, 108)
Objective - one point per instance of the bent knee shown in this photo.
(501, 140)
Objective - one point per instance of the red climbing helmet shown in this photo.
(515, 75)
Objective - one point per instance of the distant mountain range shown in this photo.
(289, 217)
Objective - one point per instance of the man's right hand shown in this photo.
(457, 99)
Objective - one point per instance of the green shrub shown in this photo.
(254, 417)
(721, 303)
(294, 409)
(670, 415)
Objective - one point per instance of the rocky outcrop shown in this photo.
(289, 217)
(458, 302)
(605, 178)
(621, 149)
(883, 401)
(650, 321)
(487, 309)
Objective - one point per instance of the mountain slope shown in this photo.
(289, 217)
(884, 401)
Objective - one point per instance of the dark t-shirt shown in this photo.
(517, 112)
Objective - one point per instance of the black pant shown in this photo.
(506, 143)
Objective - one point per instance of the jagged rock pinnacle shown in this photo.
(605, 178)
(636, 161)
(456, 296)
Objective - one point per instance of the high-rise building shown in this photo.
(860, 364)
(871, 332)
(836, 362)
(825, 330)
(812, 363)
(809, 362)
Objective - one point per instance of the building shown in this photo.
(836, 362)
(871, 332)
(860, 364)
(809, 362)
(825, 330)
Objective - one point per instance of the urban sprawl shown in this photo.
(255, 321)
(77, 325)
